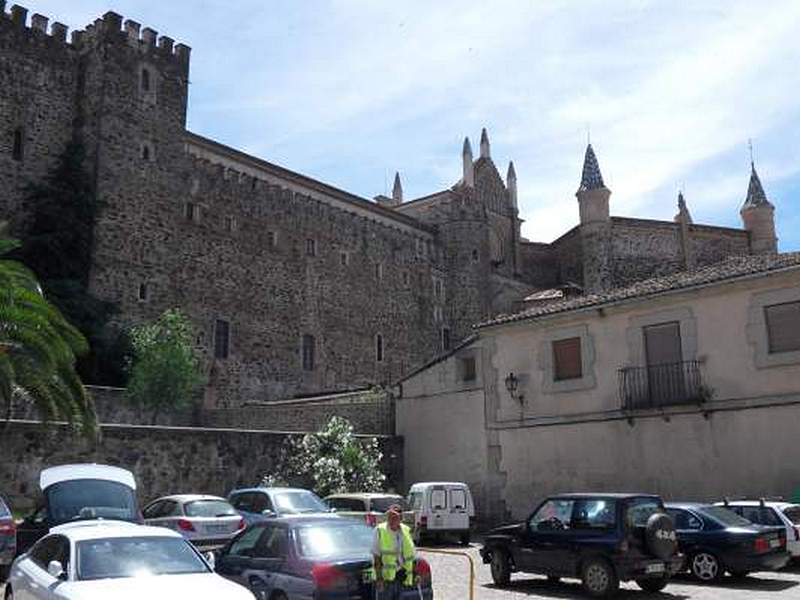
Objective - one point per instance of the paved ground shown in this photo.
(451, 574)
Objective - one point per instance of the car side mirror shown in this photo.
(268, 513)
(331, 509)
(211, 560)
(55, 569)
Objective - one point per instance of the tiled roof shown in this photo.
(591, 178)
(755, 191)
(730, 269)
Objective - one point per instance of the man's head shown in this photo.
(393, 516)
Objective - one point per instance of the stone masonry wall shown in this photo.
(164, 460)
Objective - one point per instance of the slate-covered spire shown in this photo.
(591, 178)
(468, 166)
(755, 191)
(486, 151)
(397, 189)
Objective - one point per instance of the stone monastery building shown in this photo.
(295, 286)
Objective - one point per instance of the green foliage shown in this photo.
(38, 348)
(58, 248)
(165, 372)
(333, 460)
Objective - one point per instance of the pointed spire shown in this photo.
(397, 189)
(755, 191)
(683, 215)
(468, 166)
(485, 148)
(511, 183)
(591, 178)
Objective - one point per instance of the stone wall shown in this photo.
(164, 460)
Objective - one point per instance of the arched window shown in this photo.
(379, 348)
(145, 80)
(17, 148)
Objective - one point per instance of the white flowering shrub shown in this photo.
(333, 460)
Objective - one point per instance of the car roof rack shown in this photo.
(761, 500)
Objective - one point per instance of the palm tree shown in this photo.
(38, 348)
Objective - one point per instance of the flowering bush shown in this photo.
(333, 460)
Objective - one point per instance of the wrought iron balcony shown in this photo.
(656, 386)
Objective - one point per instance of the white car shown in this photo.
(115, 560)
(772, 513)
(440, 507)
(209, 522)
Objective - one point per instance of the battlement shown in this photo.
(108, 27)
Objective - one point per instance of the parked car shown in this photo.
(323, 557)
(123, 561)
(716, 540)
(772, 513)
(209, 522)
(257, 504)
(438, 508)
(601, 539)
(79, 492)
(8, 539)
(370, 508)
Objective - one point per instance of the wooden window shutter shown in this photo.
(783, 327)
(567, 360)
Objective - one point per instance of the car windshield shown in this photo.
(209, 508)
(299, 501)
(330, 540)
(80, 499)
(113, 558)
(725, 516)
(793, 514)
(382, 504)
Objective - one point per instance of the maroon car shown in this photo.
(8, 539)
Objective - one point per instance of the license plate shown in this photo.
(655, 568)
(774, 543)
(217, 528)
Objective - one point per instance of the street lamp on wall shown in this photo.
(512, 385)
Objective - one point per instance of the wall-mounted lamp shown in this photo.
(512, 385)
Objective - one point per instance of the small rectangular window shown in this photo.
(344, 259)
(379, 348)
(567, 363)
(230, 224)
(308, 352)
(783, 327)
(221, 338)
(272, 240)
(17, 150)
(378, 271)
(142, 292)
(311, 247)
(405, 278)
(468, 372)
(192, 212)
(445, 339)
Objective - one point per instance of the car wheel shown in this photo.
(599, 579)
(501, 568)
(705, 567)
(465, 538)
(653, 584)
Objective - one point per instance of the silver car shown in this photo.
(206, 521)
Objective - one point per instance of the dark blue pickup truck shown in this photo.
(600, 538)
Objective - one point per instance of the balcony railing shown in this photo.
(656, 386)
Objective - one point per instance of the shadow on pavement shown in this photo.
(572, 589)
(761, 582)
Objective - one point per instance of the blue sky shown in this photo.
(348, 91)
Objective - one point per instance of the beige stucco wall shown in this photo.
(443, 424)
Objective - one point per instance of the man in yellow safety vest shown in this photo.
(392, 555)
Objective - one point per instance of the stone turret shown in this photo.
(592, 194)
(758, 217)
(511, 183)
(486, 151)
(593, 198)
(469, 167)
(397, 190)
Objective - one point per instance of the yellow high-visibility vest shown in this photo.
(389, 553)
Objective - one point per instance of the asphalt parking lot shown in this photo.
(451, 575)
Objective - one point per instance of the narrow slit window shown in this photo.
(311, 247)
(308, 352)
(18, 147)
(146, 80)
(272, 240)
(379, 348)
(143, 292)
(445, 339)
(221, 339)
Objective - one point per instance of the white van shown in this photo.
(440, 507)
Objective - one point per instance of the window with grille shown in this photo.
(567, 360)
(308, 352)
(783, 327)
(311, 247)
(221, 338)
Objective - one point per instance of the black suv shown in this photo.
(600, 538)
